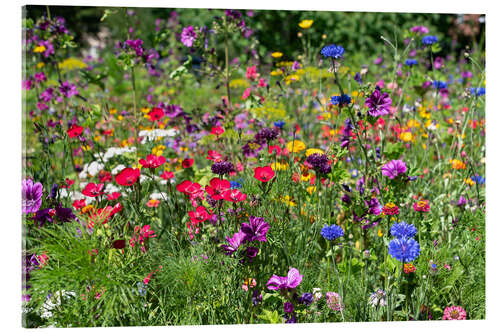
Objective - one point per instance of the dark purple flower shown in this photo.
(256, 230)
(306, 299)
(68, 89)
(461, 201)
(135, 45)
(290, 319)
(378, 103)
(40, 77)
(188, 36)
(394, 168)
(47, 95)
(222, 168)
(256, 297)
(374, 206)
(234, 242)
(346, 133)
(292, 280)
(64, 214)
(267, 134)
(288, 307)
(251, 253)
(32, 196)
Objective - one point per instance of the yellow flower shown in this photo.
(413, 123)
(295, 146)
(158, 150)
(39, 49)
(311, 189)
(379, 233)
(469, 181)
(305, 178)
(97, 138)
(145, 110)
(86, 147)
(238, 83)
(253, 145)
(424, 146)
(314, 151)
(276, 54)
(306, 24)
(291, 78)
(406, 136)
(40, 65)
(289, 201)
(279, 166)
(87, 208)
(112, 111)
(72, 63)
(276, 72)
(120, 117)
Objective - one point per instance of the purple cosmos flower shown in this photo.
(188, 36)
(40, 77)
(47, 95)
(394, 168)
(306, 299)
(378, 103)
(136, 45)
(288, 307)
(346, 133)
(292, 280)
(32, 196)
(68, 89)
(251, 253)
(256, 230)
(461, 201)
(420, 29)
(374, 206)
(234, 242)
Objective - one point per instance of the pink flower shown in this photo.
(454, 313)
(246, 93)
(252, 73)
(262, 83)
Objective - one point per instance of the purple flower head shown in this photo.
(188, 36)
(40, 77)
(135, 45)
(222, 167)
(234, 242)
(251, 253)
(346, 133)
(394, 168)
(32, 196)
(378, 103)
(461, 201)
(256, 230)
(403, 230)
(420, 29)
(173, 111)
(374, 206)
(306, 299)
(288, 307)
(68, 89)
(292, 280)
(47, 95)
(267, 134)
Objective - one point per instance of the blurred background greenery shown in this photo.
(358, 32)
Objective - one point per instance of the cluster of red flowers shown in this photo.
(140, 236)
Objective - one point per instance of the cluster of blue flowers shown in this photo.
(429, 40)
(411, 62)
(279, 124)
(477, 91)
(332, 232)
(440, 85)
(332, 51)
(404, 248)
(341, 100)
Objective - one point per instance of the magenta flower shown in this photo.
(454, 313)
(378, 103)
(68, 89)
(188, 36)
(234, 242)
(256, 230)
(394, 168)
(32, 196)
(292, 280)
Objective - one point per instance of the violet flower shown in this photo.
(394, 168)
(32, 196)
(188, 36)
(256, 230)
(378, 103)
(234, 242)
(292, 280)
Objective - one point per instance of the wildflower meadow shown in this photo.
(211, 167)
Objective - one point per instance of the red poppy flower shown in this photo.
(93, 190)
(199, 215)
(75, 130)
(69, 182)
(79, 204)
(234, 196)
(217, 130)
(156, 114)
(187, 163)
(217, 188)
(105, 176)
(128, 176)
(113, 196)
(264, 174)
(275, 148)
(167, 175)
(183, 186)
(214, 156)
(152, 161)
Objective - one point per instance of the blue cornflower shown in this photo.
(235, 184)
(332, 51)
(411, 62)
(332, 232)
(341, 99)
(477, 91)
(403, 229)
(478, 179)
(440, 84)
(429, 40)
(279, 124)
(404, 249)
